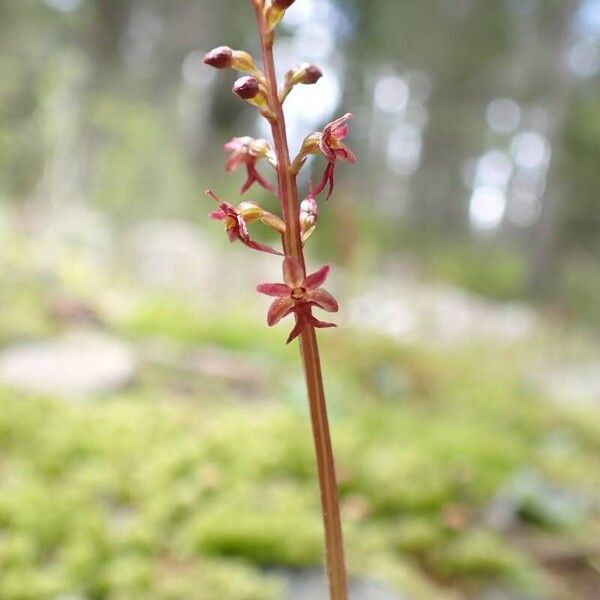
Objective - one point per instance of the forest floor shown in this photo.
(154, 439)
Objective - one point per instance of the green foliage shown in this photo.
(135, 164)
(177, 320)
(581, 289)
(495, 272)
(477, 553)
(173, 500)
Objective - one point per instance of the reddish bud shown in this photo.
(274, 12)
(219, 58)
(313, 74)
(308, 74)
(246, 87)
(304, 73)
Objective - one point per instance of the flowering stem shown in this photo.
(292, 243)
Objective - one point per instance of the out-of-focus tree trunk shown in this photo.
(111, 20)
(546, 233)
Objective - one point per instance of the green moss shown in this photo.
(173, 319)
(477, 554)
(137, 491)
(416, 535)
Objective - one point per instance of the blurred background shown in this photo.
(154, 439)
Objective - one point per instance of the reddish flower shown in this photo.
(298, 294)
(332, 148)
(236, 220)
(246, 151)
(329, 143)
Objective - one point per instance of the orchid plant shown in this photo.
(299, 294)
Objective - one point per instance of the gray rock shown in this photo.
(497, 593)
(575, 385)
(242, 371)
(530, 496)
(413, 310)
(312, 585)
(174, 256)
(81, 363)
(169, 253)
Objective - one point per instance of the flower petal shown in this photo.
(326, 151)
(320, 324)
(261, 247)
(217, 215)
(301, 323)
(341, 132)
(254, 175)
(338, 127)
(234, 162)
(323, 299)
(327, 178)
(345, 154)
(234, 234)
(280, 308)
(317, 278)
(242, 229)
(292, 272)
(273, 289)
(248, 183)
(262, 181)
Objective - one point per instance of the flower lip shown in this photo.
(298, 293)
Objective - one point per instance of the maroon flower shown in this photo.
(297, 295)
(246, 151)
(333, 148)
(236, 220)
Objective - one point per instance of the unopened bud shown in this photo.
(310, 145)
(247, 88)
(242, 61)
(309, 215)
(219, 58)
(275, 9)
(273, 222)
(304, 73)
(223, 57)
(250, 211)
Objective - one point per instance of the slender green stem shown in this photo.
(309, 350)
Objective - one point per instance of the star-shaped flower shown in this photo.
(246, 151)
(236, 220)
(298, 294)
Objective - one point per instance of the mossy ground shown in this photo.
(171, 491)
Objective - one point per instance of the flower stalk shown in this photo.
(300, 293)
